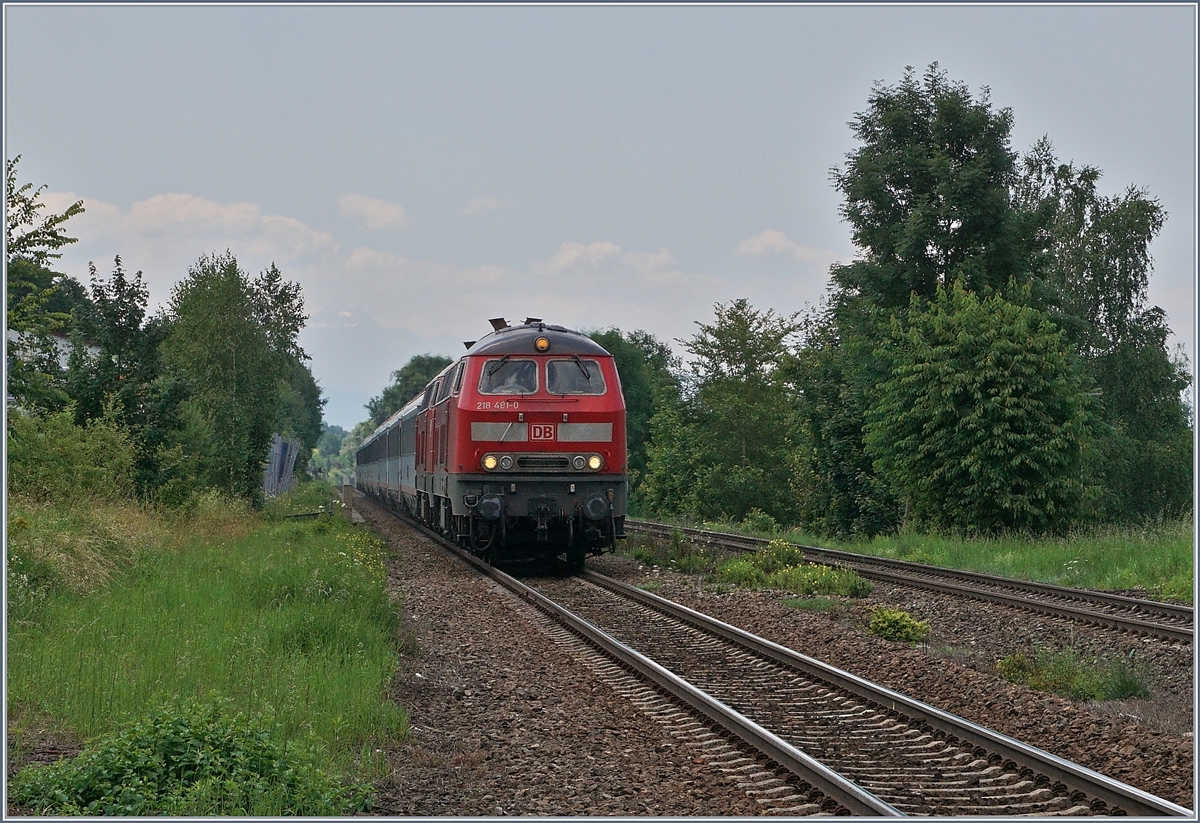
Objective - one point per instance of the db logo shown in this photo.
(541, 431)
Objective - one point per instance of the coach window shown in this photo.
(444, 387)
(507, 376)
(574, 376)
(458, 375)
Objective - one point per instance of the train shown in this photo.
(515, 451)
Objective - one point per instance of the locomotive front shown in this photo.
(539, 464)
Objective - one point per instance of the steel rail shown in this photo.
(1113, 793)
(903, 571)
(849, 795)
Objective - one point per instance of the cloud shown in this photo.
(163, 235)
(773, 241)
(480, 205)
(378, 214)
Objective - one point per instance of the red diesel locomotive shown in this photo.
(516, 450)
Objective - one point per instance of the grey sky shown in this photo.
(421, 169)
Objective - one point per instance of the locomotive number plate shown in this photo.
(541, 431)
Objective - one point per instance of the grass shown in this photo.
(1157, 557)
(280, 619)
(1068, 673)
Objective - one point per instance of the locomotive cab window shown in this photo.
(574, 376)
(508, 376)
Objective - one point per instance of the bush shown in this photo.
(52, 459)
(742, 571)
(758, 520)
(186, 759)
(812, 578)
(778, 555)
(897, 625)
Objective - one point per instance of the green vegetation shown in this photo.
(897, 625)
(187, 758)
(782, 566)
(283, 621)
(1156, 557)
(1070, 674)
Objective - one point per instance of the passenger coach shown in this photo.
(516, 450)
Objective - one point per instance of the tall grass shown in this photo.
(288, 620)
(1157, 557)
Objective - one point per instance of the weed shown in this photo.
(1065, 672)
(896, 625)
(650, 585)
(815, 604)
(187, 758)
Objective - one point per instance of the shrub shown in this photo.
(779, 554)
(812, 578)
(758, 520)
(186, 758)
(897, 625)
(52, 459)
(742, 571)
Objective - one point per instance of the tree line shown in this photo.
(182, 401)
(987, 363)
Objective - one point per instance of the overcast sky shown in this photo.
(419, 170)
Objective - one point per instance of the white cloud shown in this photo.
(480, 205)
(378, 214)
(773, 241)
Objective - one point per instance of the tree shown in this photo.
(407, 381)
(647, 369)
(32, 241)
(1095, 255)
(238, 359)
(927, 194)
(835, 372)
(729, 446)
(982, 424)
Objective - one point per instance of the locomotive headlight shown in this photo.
(595, 462)
(490, 462)
(579, 462)
(506, 462)
(542, 344)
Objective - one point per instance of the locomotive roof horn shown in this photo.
(498, 323)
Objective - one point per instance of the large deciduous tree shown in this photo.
(927, 192)
(235, 340)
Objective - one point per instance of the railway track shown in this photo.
(1167, 621)
(861, 748)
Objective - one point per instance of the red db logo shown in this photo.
(541, 431)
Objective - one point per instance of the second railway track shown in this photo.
(1167, 621)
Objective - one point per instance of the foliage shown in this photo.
(406, 383)
(50, 459)
(896, 625)
(757, 520)
(187, 758)
(782, 566)
(32, 241)
(647, 368)
(927, 194)
(836, 372)
(29, 234)
(728, 446)
(1067, 673)
(234, 340)
(982, 423)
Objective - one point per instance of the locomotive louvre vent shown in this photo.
(543, 461)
